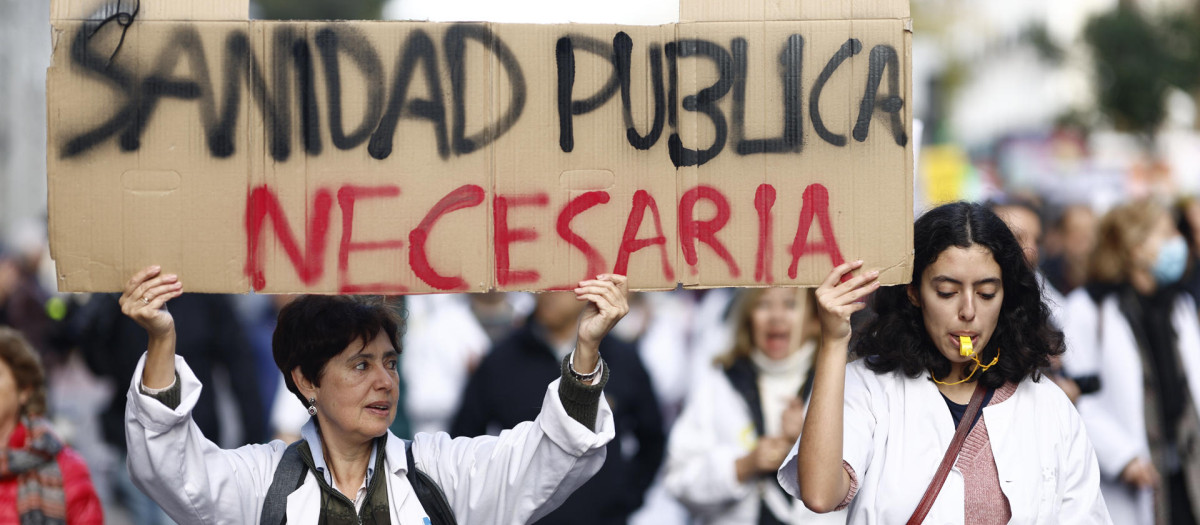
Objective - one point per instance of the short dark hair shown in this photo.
(897, 339)
(314, 328)
(19, 355)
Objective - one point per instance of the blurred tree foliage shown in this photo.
(1038, 37)
(1138, 59)
(320, 9)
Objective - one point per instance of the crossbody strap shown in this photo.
(289, 475)
(432, 499)
(960, 436)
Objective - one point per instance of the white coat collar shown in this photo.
(304, 504)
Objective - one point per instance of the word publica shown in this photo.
(386, 102)
(262, 204)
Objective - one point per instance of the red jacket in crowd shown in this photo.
(83, 507)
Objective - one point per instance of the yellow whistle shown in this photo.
(964, 346)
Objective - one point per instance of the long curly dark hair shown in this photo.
(897, 340)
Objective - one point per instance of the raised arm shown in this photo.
(607, 303)
(824, 483)
(529, 470)
(170, 459)
(145, 301)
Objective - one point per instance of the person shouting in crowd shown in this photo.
(338, 356)
(744, 414)
(944, 414)
(41, 479)
(1136, 329)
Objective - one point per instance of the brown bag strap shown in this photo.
(960, 436)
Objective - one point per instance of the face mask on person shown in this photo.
(1171, 262)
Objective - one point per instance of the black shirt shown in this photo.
(957, 411)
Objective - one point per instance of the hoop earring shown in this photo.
(312, 406)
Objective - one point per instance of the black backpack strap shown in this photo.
(428, 492)
(289, 475)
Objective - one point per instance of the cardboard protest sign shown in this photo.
(749, 145)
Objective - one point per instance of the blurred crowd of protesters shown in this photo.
(708, 386)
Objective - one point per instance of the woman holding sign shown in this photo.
(338, 355)
(944, 415)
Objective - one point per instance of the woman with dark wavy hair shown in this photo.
(943, 413)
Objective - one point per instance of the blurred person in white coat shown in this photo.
(1135, 329)
(744, 413)
(441, 353)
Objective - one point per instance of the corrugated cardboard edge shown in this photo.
(160, 10)
(790, 10)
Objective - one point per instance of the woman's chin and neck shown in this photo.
(346, 456)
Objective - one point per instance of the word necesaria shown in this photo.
(308, 262)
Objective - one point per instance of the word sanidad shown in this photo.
(298, 59)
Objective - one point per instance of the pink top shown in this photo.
(985, 502)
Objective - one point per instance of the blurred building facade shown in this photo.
(24, 56)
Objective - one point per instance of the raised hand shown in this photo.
(607, 304)
(837, 300)
(145, 301)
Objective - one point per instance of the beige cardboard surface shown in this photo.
(780, 10)
(227, 10)
(410, 157)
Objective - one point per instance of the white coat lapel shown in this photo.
(926, 426)
(304, 504)
(405, 506)
(1188, 337)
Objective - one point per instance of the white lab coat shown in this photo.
(1100, 341)
(897, 430)
(516, 477)
(714, 430)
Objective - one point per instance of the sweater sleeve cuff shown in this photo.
(581, 401)
(853, 486)
(169, 396)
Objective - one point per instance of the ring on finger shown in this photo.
(145, 300)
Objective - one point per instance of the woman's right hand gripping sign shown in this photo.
(840, 296)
